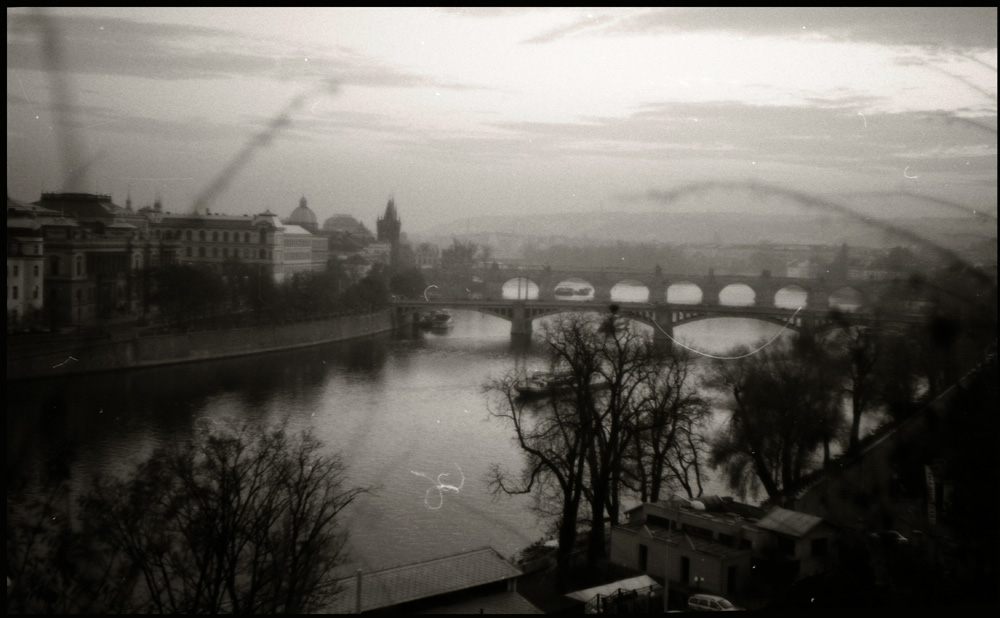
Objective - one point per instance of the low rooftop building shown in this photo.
(480, 581)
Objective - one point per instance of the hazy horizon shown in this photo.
(468, 112)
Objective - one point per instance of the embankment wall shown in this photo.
(72, 354)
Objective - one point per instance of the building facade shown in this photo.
(25, 265)
(97, 256)
(719, 546)
(213, 239)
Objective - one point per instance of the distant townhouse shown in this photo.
(427, 256)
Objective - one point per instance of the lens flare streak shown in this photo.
(440, 487)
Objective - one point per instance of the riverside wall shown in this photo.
(41, 357)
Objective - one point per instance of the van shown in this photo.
(710, 603)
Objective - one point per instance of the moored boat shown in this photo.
(548, 383)
(441, 320)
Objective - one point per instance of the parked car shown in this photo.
(711, 603)
(890, 536)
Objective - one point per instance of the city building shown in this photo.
(720, 546)
(305, 249)
(97, 256)
(25, 265)
(212, 239)
(427, 256)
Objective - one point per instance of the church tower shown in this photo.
(387, 228)
(389, 225)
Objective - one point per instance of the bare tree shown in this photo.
(554, 447)
(241, 520)
(624, 414)
(781, 412)
(667, 439)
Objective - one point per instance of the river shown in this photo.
(401, 408)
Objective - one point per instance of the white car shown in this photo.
(710, 603)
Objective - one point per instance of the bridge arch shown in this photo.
(791, 297)
(519, 288)
(684, 293)
(846, 298)
(574, 289)
(737, 295)
(630, 291)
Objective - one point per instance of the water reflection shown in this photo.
(390, 404)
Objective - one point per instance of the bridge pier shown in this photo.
(520, 321)
(663, 329)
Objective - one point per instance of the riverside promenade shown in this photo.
(121, 348)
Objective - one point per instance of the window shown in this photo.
(263, 254)
(215, 252)
(201, 235)
(643, 557)
(201, 251)
(35, 270)
(34, 293)
(225, 236)
(17, 270)
(731, 579)
(14, 289)
(215, 237)
(79, 266)
(189, 234)
(189, 251)
(685, 570)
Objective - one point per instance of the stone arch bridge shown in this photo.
(764, 286)
(814, 316)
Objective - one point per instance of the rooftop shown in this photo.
(498, 603)
(792, 523)
(678, 538)
(412, 582)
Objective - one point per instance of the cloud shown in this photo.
(590, 22)
(122, 47)
(974, 27)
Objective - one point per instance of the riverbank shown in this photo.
(46, 356)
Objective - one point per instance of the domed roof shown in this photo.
(344, 223)
(302, 215)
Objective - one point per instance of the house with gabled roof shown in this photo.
(799, 539)
(719, 546)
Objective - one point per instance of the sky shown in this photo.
(465, 112)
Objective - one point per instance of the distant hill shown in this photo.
(957, 234)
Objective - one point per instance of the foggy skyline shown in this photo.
(466, 112)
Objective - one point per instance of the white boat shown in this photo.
(441, 320)
(547, 383)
